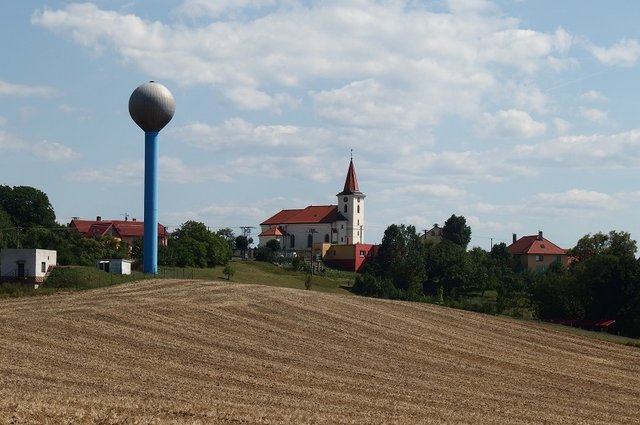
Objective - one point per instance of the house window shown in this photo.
(292, 241)
(309, 241)
(326, 238)
(43, 267)
(558, 259)
(362, 253)
(539, 258)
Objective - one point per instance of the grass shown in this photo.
(256, 272)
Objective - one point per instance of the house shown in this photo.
(334, 233)
(115, 265)
(125, 230)
(341, 224)
(30, 266)
(537, 253)
(349, 257)
(434, 234)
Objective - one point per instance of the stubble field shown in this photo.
(195, 352)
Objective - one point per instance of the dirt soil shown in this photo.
(195, 352)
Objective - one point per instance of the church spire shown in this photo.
(351, 182)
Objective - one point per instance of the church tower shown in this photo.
(351, 206)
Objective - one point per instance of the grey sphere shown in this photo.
(151, 106)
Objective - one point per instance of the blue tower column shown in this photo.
(150, 240)
(151, 106)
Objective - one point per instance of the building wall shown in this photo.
(116, 266)
(36, 264)
(349, 257)
(300, 233)
(541, 263)
(354, 213)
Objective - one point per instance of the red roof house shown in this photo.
(124, 230)
(536, 253)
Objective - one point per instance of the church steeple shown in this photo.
(351, 206)
(351, 182)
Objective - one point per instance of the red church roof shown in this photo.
(535, 245)
(351, 182)
(311, 214)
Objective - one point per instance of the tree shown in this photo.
(227, 234)
(446, 266)
(615, 243)
(455, 229)
(400, 259)
(273, 245)
(229, 271)
(8, 231)
(242, 243)
(27, 206)
(193, 245)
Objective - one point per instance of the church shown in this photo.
(334, 232)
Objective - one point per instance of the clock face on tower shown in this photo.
(345, 199)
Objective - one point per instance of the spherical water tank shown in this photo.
(151, 106)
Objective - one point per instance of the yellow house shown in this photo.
(536, 253)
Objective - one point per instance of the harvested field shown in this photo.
(206, 352)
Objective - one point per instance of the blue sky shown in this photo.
(521, 115)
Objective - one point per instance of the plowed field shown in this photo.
(193, 352)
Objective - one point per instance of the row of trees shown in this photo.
(27, 220)
(603, 281)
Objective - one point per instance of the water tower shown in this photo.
(151, 106)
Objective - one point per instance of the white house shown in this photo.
(26, 265)
(341, 224)
(115, 265)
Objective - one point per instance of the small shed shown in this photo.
(115, 265)
(29, 266)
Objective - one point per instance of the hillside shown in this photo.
(175, 351)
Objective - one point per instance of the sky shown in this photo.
(520, 115)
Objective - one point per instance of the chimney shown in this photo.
(539, 235)
(515, 237)
(98, 218)
(134, 219)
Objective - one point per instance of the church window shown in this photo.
(309, 241)
(345, 199)
(292, 241)
(341, 239)
(342, 226)
(358, 209)
(358, 222)
(345, 207)
(326, 238)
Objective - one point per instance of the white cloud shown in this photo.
(593, 96)
(236, 132)
(53, 151)
(9, 89)
(171, 170)
(433, 191)
(578, 199)
(10, 142)
(621, 150)
(597, 116)
(562, 126)
(623, 53)
(511, 123)
(218, 8)
(354, 54)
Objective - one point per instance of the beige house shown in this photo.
(536, 253)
